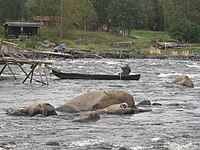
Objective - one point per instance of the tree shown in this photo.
(77, 11)
(127, 14)
(180, 9)
(11, 10)
(87, 13)
(100, 7)
(193, 11)
(42, 7)
(154, 12)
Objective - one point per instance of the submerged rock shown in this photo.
(145, 102)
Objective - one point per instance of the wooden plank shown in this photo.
(53, 53)
(10, 43)
(46, 76)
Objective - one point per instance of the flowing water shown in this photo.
(165, 128)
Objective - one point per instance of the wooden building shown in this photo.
(21, 29)
(47, 21)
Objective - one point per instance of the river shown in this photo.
(164, 128)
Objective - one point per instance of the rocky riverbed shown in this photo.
(174, 127)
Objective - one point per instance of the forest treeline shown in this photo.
(179, 17)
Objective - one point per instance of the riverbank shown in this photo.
(72, 53)
(142, 45)
(108, 54)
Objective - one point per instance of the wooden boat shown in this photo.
(62, 75)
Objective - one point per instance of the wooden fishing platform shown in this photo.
(59, 54)
(9, 61)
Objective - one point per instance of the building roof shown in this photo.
(22, 24)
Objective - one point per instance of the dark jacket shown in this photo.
(126, 70)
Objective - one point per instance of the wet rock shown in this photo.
(140, 110)
(8, 145)
(157, 104)
(117, 109)
(173, 104)
(53, 143)
(145, 102)
(122, 148)
(97, 100)
(88, 117)
(183, 80)
(20, 112)
(45, 109)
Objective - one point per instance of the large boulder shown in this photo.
(44, 109)
(183, 80)
(92, 101)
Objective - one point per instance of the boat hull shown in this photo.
(62, 75)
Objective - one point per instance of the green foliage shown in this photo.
(154, 13)
(100, 7)
(127, 14)
(2, 31)
(50, 33)
(11, 10)
(139, 44)
(42, 7)
(88, 14)
(185, 31)
(30, 43)
(93, 46)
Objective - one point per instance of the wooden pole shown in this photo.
(11, 71)
(6, 63)
(46, 75)
(39, 70)
(3, 69)
(29, 77)
(31, 72)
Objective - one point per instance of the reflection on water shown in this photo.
(166, 127)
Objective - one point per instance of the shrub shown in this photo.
(185, 31)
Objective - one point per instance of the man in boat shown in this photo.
(125, 70)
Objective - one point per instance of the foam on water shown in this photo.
(181, 146)
(85, 143)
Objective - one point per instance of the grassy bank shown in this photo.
(84, 40)
(143, 41)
